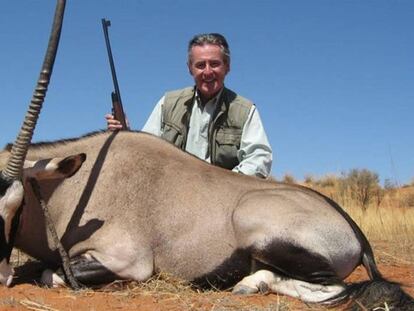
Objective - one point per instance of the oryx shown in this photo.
(135, 205)
(138, 205)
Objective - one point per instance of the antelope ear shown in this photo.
(54, 167)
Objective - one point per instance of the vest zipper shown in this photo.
(212, 134)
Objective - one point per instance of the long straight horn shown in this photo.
(14, 167)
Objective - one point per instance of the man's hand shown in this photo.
(111, 123)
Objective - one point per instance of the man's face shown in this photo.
(208, 68)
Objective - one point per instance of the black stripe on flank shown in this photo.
(89, 272)
(297, 262)
(227, 274)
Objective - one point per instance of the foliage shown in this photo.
(289, 179)
(328, 181)
(357, 186)
(408, 200)
(389, 184)
(363, 186)
(309, 179)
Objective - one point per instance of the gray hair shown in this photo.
(210, 38)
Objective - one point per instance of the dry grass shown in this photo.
(35, 306)
(165, 287)
(387, 221)
(395, 226)
(9, 302)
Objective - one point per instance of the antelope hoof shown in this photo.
(51, 279)
(244, 290)
(264, 288)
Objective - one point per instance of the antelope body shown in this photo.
(138, 205)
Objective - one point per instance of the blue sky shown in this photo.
(333, 80)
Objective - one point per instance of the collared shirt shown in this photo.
(197, 137)
(255, 153)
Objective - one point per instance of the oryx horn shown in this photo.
(14, 166)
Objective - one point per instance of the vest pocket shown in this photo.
(227, 143)
(228, 136)
(172, 134)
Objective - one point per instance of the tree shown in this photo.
(363, 185)
(289, 179)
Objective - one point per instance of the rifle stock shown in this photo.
(118, 111)
(117, 108)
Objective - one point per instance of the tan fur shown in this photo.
(4, 157)
(162, 188)
(140, 205)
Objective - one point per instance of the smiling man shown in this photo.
(209, 120)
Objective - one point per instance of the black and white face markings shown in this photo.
(11, 198)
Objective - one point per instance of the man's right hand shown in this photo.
(111, 123)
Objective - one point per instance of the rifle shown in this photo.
(117, 109)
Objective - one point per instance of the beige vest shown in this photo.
(224, 131)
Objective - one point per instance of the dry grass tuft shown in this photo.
(167, 288)
(33, 305)
(160, 284)
(9, 302)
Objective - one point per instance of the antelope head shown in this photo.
(11, 186)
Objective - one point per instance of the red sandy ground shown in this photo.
(27, 296)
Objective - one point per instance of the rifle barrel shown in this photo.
(116, 95)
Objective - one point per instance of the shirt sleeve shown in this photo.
(153, 124)
(255, 153)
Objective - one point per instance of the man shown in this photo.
(209, 120)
